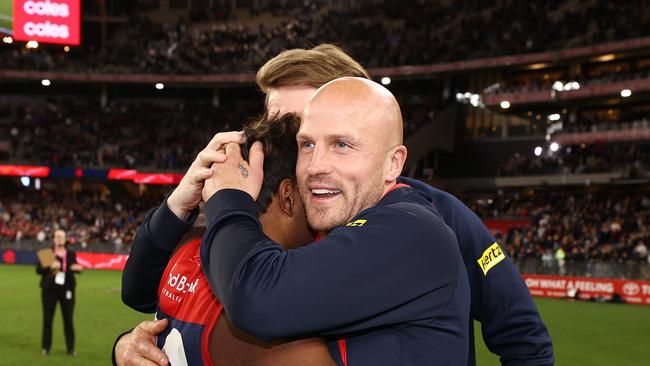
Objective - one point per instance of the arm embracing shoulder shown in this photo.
(356, 278)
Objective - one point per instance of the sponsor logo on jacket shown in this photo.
(490, 258)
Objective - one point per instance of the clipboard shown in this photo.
(45, 257)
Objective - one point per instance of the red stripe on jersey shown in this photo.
(397, 185)
(344, 351)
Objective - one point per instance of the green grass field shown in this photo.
(583, 333)
(6, 14)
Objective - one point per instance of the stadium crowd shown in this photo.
(631, 159)
(594, 124)
(135, 134)
(535, 82)
(581, 225)
(92, 221)
(119, 135)
(393, 33)
(575, 226)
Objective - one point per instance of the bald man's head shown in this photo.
(350, 150)
(367, 97)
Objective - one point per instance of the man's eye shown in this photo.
(306, 145)
(342, 145)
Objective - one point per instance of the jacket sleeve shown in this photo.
(73, 260)
(510, 322)
(42, 270)
(152, 246)
(355, 278)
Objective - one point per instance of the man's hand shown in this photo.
(187, 195)
(138, 348)
(55, 266)
(236, 173)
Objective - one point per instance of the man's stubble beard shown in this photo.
(315, 216)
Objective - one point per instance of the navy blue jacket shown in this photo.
(402, 298)
(501, 302)
(512, 327)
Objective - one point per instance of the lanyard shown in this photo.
(64, 265)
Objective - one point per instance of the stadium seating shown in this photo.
(391, 35)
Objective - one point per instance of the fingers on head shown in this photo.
(223, 138)
(233, 149)
(207, 157)
(256, 155)
(201, 175)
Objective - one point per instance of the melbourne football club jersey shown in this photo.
(185, 298)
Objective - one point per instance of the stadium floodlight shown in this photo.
(7, 40)
(385, 80)
(474, 100)
(66, 48)
(505, 104)
(459, 97)
(31, 44)
(555, 146)
(37, 184)
(160, 86)
(575, 85)
(554, 117)
(45, 82)
(25, 181)
(558, 85)
(626, 93)
(538, 151)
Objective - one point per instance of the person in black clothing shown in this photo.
(58, 285)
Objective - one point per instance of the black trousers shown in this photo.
(49, 299)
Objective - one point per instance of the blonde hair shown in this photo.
(313, 67)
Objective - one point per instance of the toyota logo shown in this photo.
(631, 289)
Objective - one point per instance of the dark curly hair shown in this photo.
(277, 133)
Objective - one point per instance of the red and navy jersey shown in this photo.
(185, 298)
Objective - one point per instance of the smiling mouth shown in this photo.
(325, 193)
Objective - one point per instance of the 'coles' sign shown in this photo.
(47, 21)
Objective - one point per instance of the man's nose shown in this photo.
(320, 162)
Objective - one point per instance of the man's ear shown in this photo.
(286, 196)
(396, 162)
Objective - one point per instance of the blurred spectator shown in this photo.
(641, 251)
(560, 255)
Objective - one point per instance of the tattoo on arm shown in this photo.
(243, 170)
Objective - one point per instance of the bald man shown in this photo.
(374, 286)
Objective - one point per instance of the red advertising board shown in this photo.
(102, 260)
(144, 178)
(25, 170)
(157, 178)
(631, 291)
(122, 174)
(47, 21)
